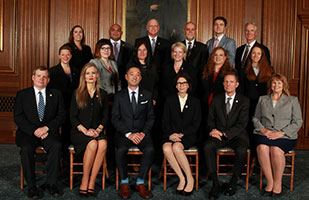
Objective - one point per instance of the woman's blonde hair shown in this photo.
(180, 45)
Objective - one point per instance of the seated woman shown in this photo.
(89, 113)
(277, 120)
(181, 120)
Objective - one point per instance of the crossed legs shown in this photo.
(178, 160)
(272, 162)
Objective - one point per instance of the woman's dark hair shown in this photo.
(185, 76)
(134, 58)
(71, 39)
(98, 46)
(65, 47)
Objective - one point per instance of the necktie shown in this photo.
(41, 106)
(153, 45)
(189, 48)
(116, 51)
(216, 43)
(244, 58)
(228, 105)
(133, 101)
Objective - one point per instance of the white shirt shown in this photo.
(232, 99)
(256, 70)
(136, 97)
(150, 38)
(182, 101)
(192, 43)
(118, 42)
(250, 47)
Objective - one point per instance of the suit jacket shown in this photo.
(26, 114)
(198, 56)
(80, 57)
(285, 116)
(186, 122)
(209, 86)
(234, 124)
(123, 118)
(227, 43)
(162, 52)
(109, 81)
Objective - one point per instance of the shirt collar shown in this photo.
(220, 37)
(150, 38)
(136, 90)
(192, 42)
(233, 97)
(113, 41)
(251, 44)
(36, 90)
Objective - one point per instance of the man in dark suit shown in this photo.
(221, 40)
(38, 113)
(133, 117)
(160, 49)
(121, 50)
(243, 52)
(227, 121)
(197, 53)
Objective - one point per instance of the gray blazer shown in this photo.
(285, 116)
(107, 78)
(227, 43)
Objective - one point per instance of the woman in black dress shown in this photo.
(141, 59)
(181, 120)
(81, 53)
(89, 115)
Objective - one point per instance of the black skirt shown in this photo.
(285, 144)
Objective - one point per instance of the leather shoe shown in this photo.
(53, 190)
(125, 191)
(214, 192)
(230, 190)
(83, 193)
(34, 193)
(266, 193)
(143, 192)
(276, 195)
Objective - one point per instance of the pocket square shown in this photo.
(143, 102)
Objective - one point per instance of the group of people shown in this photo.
(158, 94)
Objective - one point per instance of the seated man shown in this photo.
(227, 121)
(133, 117)
(38, 113)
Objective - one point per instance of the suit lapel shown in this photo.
(34, 105)
(128, 100)
(222, 41)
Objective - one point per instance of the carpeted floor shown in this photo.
(10, 182)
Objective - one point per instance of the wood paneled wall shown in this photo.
(35, 29)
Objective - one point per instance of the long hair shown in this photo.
(82, 91)
(283, 79)
(71, 39)
(210, 66)
(98, 46)
(265, 69)
(134, 59)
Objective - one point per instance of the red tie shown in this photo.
(216, 43)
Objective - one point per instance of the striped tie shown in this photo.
(41, 106)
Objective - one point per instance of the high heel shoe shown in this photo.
(83, 193)
(187, 193)
(266, 193)
(179, 191)
(91, 192)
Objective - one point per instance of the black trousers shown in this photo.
(239, 144)
(122, 144)
(52, 145)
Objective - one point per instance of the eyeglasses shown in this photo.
(105, 48)
(181, 83)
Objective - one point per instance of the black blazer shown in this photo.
(198, 56)
(162, 52)
(60, 81)
(80, 57)
(186, 122)
(26, 114)
(123, 118)
(234, 124)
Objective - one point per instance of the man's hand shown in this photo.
(43, 136)
(40, 131)
(154, 7)
(216, 134)
(134, 137)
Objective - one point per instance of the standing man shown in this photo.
(243, 52)
(221, 40)
(133, 117)
(160, 49)
(227, 121)
(121, 50)
(38, 113)
(197, 53)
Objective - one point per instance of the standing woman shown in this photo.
(65, 77)
(141, 59)
(258, 73)
(181, 120)
(89, 113)
(177, 66)
(108, 70)
(81, 53)
(277, 120)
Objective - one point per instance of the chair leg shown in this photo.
(252, 166)
(164, 173)
(247, 170)
(21, 177)
(292, 172)
(117, 179)
(261, 178)
(160, 175)
(149, 179)
(71, 169)
(196, 171)
(104, 173)
(218, 161)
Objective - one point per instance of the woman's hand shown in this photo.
(275, 135)
(176, 137)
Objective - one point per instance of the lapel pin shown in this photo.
(50, 95)
(186, 106)
(141, 95)
(236, 101)
(97, 96)
(158, 43)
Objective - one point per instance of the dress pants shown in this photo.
(122, 144)
(51, 144)
(238, 143)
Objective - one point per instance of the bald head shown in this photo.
(115, 32)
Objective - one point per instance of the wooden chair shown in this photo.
(230, 152)
(289, 164)
(38, 150)
(134, 151)
(190, 153)
(104, 171)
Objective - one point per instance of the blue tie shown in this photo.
(41, 106)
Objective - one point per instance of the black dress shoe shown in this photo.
(34, 193)
(266, 193)
(53, 190)
(214, 192)
(179, 191)
(276, 195)
(83, 193)
(187, 193)
(230, 190)
(91, 192)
